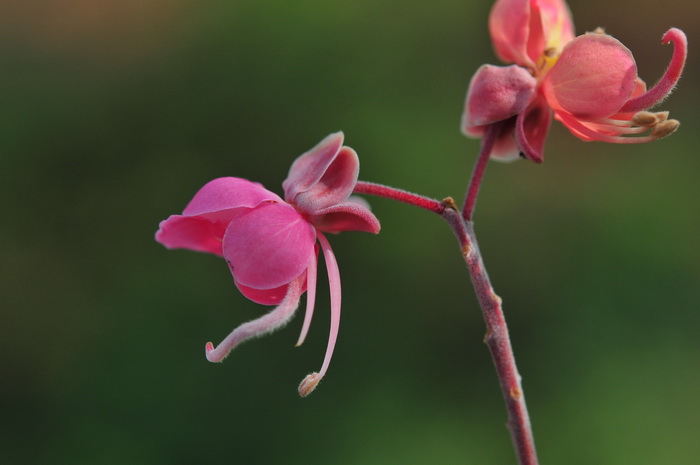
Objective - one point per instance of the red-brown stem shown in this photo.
(416, 200)
(497, 338)
(479, 169)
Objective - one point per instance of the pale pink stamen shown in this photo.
(310, 299)
(668, 81)
(592, 134)
(266, 324)
(309, 383)
(616, 128)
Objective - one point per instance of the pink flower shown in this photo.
(270, 243)
(589, 83)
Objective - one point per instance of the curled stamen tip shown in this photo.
(673, 34)
(208, 349)
(665, 128)
(308, 384)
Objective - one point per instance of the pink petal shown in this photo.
(593, 78)
(334, 186)
(505, 149)
(346, 216)
(264, 296)
(269, 246)
(557, 23)
(225, 193)
(509, 25)
(531, 129)
(309, 167)
(473, 132)
(193, 233)
(640, 88)
(522, 30)
(202, 225)
(496, 93)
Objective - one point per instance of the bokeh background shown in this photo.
(112, 115)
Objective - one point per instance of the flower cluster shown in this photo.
(270, 244)
(588, 82)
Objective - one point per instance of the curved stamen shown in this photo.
(309, 383)
(266, 324)
(660, 130)
(614, 129)
(310, 298)
(668, 81)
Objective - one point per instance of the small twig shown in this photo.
(492, 132)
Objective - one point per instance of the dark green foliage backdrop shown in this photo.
(114, 113)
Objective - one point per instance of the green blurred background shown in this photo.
(113, 114)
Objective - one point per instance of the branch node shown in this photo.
(449, 202)
(515, 393)
(488, 336)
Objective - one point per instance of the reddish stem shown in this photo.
(497, 338)
(416, 200)
(479, 170)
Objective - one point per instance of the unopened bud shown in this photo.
(665, 128)
(308, 384)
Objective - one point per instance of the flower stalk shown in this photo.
(497, 338)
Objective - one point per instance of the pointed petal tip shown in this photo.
(309, 383)
(334, 137)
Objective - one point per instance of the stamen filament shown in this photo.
(266, 324)
(592, 134)
(310, 382)
(310, 298)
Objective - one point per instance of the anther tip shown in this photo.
(665, 128)
(645, 118)
(308, 384)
